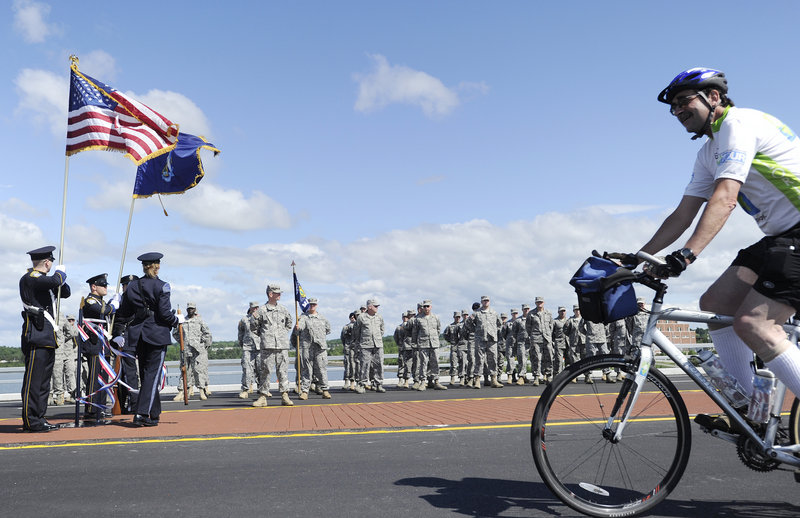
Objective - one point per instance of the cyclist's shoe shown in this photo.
(717, 422)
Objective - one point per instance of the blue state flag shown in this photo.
(174, 172)
(300, 295)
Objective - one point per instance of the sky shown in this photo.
(393, 150)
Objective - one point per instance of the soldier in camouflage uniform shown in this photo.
(63, 381)
(559, 340)
(618, 342)
(368, 333)
(197, 340)
(452, 336)
(539, 325)
(485, 323)
(467, 331)
(507, 334)
(313, 328)
(404, 356)
(502, 359)
(247, 336)
(521, 346)
(576, 339)
(637, 325)
(349, 354)
(595, 344)
(425, 332)
(273, 323)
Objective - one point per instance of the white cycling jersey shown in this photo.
(762, 153)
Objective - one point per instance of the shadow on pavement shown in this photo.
(493, 497)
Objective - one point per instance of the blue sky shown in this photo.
(398, 150)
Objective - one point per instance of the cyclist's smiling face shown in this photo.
(690, 110)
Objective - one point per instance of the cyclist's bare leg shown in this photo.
(759, 321)
(725, 296)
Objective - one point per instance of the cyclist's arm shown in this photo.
(716, 213)
(675, 224)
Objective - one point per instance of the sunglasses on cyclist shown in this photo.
(681, 102)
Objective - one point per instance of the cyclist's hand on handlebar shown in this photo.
(674, 265)
(626, 260)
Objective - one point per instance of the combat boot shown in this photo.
(313, 387)
(303, 396)
(439, 386)
(587, 378)
(454, 382)
(178, 396)
(535, 381)
(521, 380)
(318, 390)
(191, 391)
(422, 386)
(244, 395)
(68, 398)
(360, 389)
(401, 383)
(379, 388)
(261, 401)
(415, 386)
(476, 384)
(285, 401)
(326, 394)
(495, 382)
(207, 390)
(60, 399)
(203, 396)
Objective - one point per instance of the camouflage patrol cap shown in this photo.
(484, 297)
(464, 312)
(561, 308)
(640, 300)
(70, 317)
(539, 299)
(575, 306)
(410, 312)
(254, 304)
(456, 314)
(312, 300)
(514, 311)
(373, 302)
(503, 315)
(526, 306)
(427, 302)
(190, 305)
(274, 288)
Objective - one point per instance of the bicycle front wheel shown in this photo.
(573, 445)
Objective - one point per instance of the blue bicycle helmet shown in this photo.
(697, 78)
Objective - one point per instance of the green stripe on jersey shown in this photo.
(783, 179)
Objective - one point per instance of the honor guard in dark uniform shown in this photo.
(96, 311)
(148, 300)
(38, 292)
(130, 372)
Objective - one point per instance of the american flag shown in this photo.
(101, 117)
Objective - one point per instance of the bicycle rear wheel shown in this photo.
(574, 449)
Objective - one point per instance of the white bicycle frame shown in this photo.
(783, 454)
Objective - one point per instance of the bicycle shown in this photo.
(622, 452)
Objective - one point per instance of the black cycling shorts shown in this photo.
(776, 261)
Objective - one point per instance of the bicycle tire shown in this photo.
(794, 421)
(589, 472)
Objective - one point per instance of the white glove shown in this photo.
(62, 270)
(120, 341)
(181, 318)
(114, 302)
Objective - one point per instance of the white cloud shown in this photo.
(45, 95)
(100, 65)
(452, 264)
(398, 84)
(212, 206)
(179, 109)
(30, 19)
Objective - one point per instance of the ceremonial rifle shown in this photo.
(183, 362)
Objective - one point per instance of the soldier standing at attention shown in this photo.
(595, 344)
(63, 381)
(368, 333)
(313, 328)
(147, 299)
(508, 334)
(425, 333)
(128, 400)
(619, 341)
(502, 359)
(247, 336)
(539, 325)
(197, 338)
(451, 335)
(348, 350)
(404, 358)
(485, 323)
(468, 332)
(575, 337)
(273, 323)
(38, 291)
(559, 340)
(97, 312)
(522, 345)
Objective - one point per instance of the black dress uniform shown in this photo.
(96, 309)
(38, 293)
(148, 300)
(130, 373)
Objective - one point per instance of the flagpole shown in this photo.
(122, 261)
(296, 321)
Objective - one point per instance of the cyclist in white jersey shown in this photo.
(752, 159)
